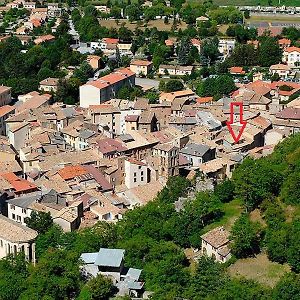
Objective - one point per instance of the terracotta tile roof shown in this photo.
(169, 43)
(70, 172)
(236, 70)
(217, 237)
(178, 94)
(280, 67)
(110, 41)
(195, 42)
(138, 62)
(44, 38)
(108, 145)
(284, 41)
(292, 49)
(6, 109)
(290, 113)
(204, 99)
(132, 118)
(19, 184)
(49, 81)
(112, 78)
(15, 232)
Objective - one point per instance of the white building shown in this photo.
(226, 46)
(105, 88)
(291, 56)
(215, 244)
(15, 237)
(136, 173)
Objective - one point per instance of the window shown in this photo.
(140, 167)
(14, 216)
(134, 179)
(12, 207)
(142, 173)
(30, 163)
(1, 243)
(134, 174)
(142, 178)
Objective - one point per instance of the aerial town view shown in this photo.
(150, 149)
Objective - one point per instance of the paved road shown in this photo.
(147, 82)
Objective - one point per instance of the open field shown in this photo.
(274, 18)
(159, 24)
(232, 211)
(260, 269)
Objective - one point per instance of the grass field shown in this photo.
(159, 24)
(232, 211)
(260, 269)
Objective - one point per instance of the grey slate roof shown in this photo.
(195, 149)
(85, 134)
(23, 202)
(110, 257)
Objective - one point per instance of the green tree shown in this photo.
(245, 235)
(288, 288)
(39, 221)
(224, 191)
(269, 52)
(98, 288)
(184, 52)
(173, 85)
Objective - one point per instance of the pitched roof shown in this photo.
(195, 149)
(292, 49)
(15, 232)
(217, 237)
(19, 184)
(138, 62)
(109, 257)
(111, 78)
(6, 109)
(70, 172)
(237, 70)
(289, 113)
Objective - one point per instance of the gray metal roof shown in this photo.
(195, 149)
(134, 274)
(110, 257)
(69, 112)
(89, 258)
(24, 202)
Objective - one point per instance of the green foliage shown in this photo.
(209, 50)
(269, 52)
(251, 183)
(226, 15)
(56, 276)
(13, 274)
(245, 236)
(216, 87)
(244, 55)
(225, 191)
(98, 288)
(288, 288)
(39, 221)
(173, 85)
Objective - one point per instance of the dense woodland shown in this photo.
(155, 236)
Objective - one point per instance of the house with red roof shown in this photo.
(19, 186)
(237, 71)
(105, 88)
(284, 43)
(291, 56)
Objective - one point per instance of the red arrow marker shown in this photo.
(241, 122)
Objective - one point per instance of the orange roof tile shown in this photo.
(237, 70)
(19, 184)
(138, 62)
(4, 110)
(204, 99)
(292, 49)
(70, 172)
(284, 41)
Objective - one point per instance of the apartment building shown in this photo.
(105, 88)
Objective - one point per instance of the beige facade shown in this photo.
(136, 173)
(15, 238)
(5, 95)
(141, 67)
